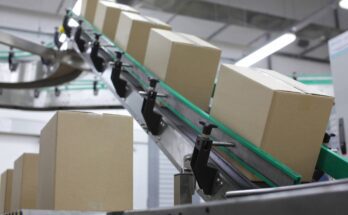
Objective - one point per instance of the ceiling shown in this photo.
(237, 26)
(247, 24)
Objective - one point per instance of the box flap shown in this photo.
(198, 41)
(184, 38)
(264, 78)
(118, 6)
(172, 36)
(298, 85)
(157, 21)
(134, 16)
(138, 17)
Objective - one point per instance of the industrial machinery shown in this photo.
(198, 145)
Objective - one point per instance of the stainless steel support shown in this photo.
(61, 66)
(16, 42)
(183, 188)
(327, 198)
(322, 199)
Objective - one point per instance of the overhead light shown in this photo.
(343, 4)
(265, 51)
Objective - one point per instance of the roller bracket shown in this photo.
(205, 175)
(11, 61)
(56, 36)
(99, 62)
(95, 88)
(120, 85)
(67, 28)
(152, 119)
(57, 91)
(81, 43)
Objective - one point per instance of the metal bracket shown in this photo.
(184, 183)
(95, 88)
(81, 43)
(120, 85)
(57, 91)
(205, 174)
(67, 28)
(152, 119)
(11, 62)
(36, 93)
(342, 138)
(99, 62)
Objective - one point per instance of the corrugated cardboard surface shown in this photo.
(92, 162)
(185, 62)
(274, 114)
(107, 16)
(88, 9)
(47, 167)
(133, 31)
(24, 185)
(6, 191)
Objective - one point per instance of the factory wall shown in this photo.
(14, 145)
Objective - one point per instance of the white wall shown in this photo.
(12, 146)
(288, 65)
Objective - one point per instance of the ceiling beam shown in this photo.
(312, 48)
(218, 31)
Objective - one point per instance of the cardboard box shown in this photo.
(185, 62)
(133, 32)
(24, 184)
(6, 191)
(276, 113)
(107, 17)
(86, 162)
(88, 9)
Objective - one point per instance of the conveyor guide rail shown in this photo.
(263, 165)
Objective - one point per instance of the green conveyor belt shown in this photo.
(326, 160)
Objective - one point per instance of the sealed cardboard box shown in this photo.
(185, 62)
(107, 17)
(88, 9)
(6, 191)
(133, 33)
(278, 114)
(24, 184)
(86, 162)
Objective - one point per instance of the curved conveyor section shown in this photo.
(67, 63)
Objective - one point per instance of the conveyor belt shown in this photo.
(173, 141)
(180, 118)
